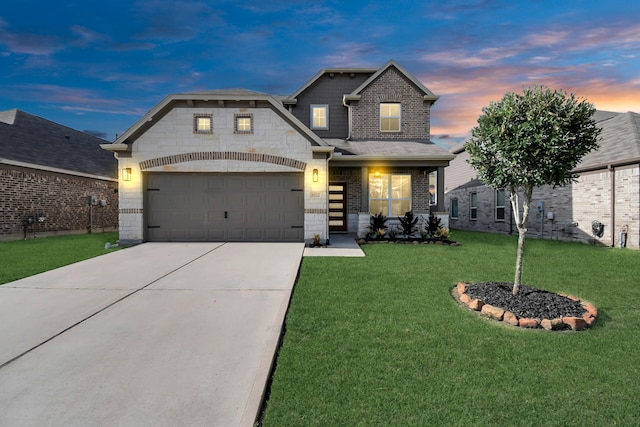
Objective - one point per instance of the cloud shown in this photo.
(32, 44)
(86, 36)
(352, 55)
(75, 100)
(171, 21)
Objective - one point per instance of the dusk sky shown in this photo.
(100, 66)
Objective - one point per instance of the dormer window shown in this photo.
(202, 123)
(320, 117)
(390, 117)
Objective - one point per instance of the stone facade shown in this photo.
(274, 146)
(61, 200)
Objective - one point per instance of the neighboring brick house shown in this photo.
(607, 191)
(47, 174)
(236, 165)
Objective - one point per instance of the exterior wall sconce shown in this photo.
(126, 174)
(315, 175)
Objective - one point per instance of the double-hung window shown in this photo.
(319, 117)
(390, 117)
(500, 199)
(389, 194)
(454, 208)
(473, 206)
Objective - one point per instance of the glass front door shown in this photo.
(337, 206)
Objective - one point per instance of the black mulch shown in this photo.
(529, 302)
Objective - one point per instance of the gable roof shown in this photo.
(124, 141)
(428, 95)
(292, 99)
(31, 141)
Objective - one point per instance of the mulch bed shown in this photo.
(530, 308)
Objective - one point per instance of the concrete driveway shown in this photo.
(160, 334)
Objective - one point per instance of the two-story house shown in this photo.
(235, 165)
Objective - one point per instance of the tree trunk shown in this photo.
(521, 236)
(521, 222)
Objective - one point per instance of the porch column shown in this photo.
(364, 195)
(440, 190)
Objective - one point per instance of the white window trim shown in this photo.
(325, 107)
(399, 117)
(389, 197)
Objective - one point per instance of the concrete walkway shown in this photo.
(341, 245)
(161, 334)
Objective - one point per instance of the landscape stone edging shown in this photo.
(499, 314)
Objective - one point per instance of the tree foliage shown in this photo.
(528, 140)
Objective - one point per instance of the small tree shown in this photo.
(528, 140)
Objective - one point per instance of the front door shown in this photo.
(337, 206)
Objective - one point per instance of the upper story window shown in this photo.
(390, 117)
(389, 194)
(202, 123)
(243, 123)
(319, 117)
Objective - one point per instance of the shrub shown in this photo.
(378, 222)
(408, 223)
(432, 226)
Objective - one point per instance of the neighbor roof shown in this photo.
(619, 141)
(31, 141)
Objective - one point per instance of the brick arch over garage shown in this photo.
(222, 155)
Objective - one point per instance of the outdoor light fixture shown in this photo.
(126, 174)
(315, 175)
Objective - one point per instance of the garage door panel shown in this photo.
(224, 207)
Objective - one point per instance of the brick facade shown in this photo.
(391, 86)
(581, 203)
(60, 198)
(420, 195)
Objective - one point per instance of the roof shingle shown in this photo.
(31, 139)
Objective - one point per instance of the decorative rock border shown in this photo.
(499, 314)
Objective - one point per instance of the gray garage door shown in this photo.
(191, 207)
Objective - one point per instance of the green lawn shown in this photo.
(24, 258)
(379, 341)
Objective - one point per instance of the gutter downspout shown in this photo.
(612, 172)
(344, 102)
